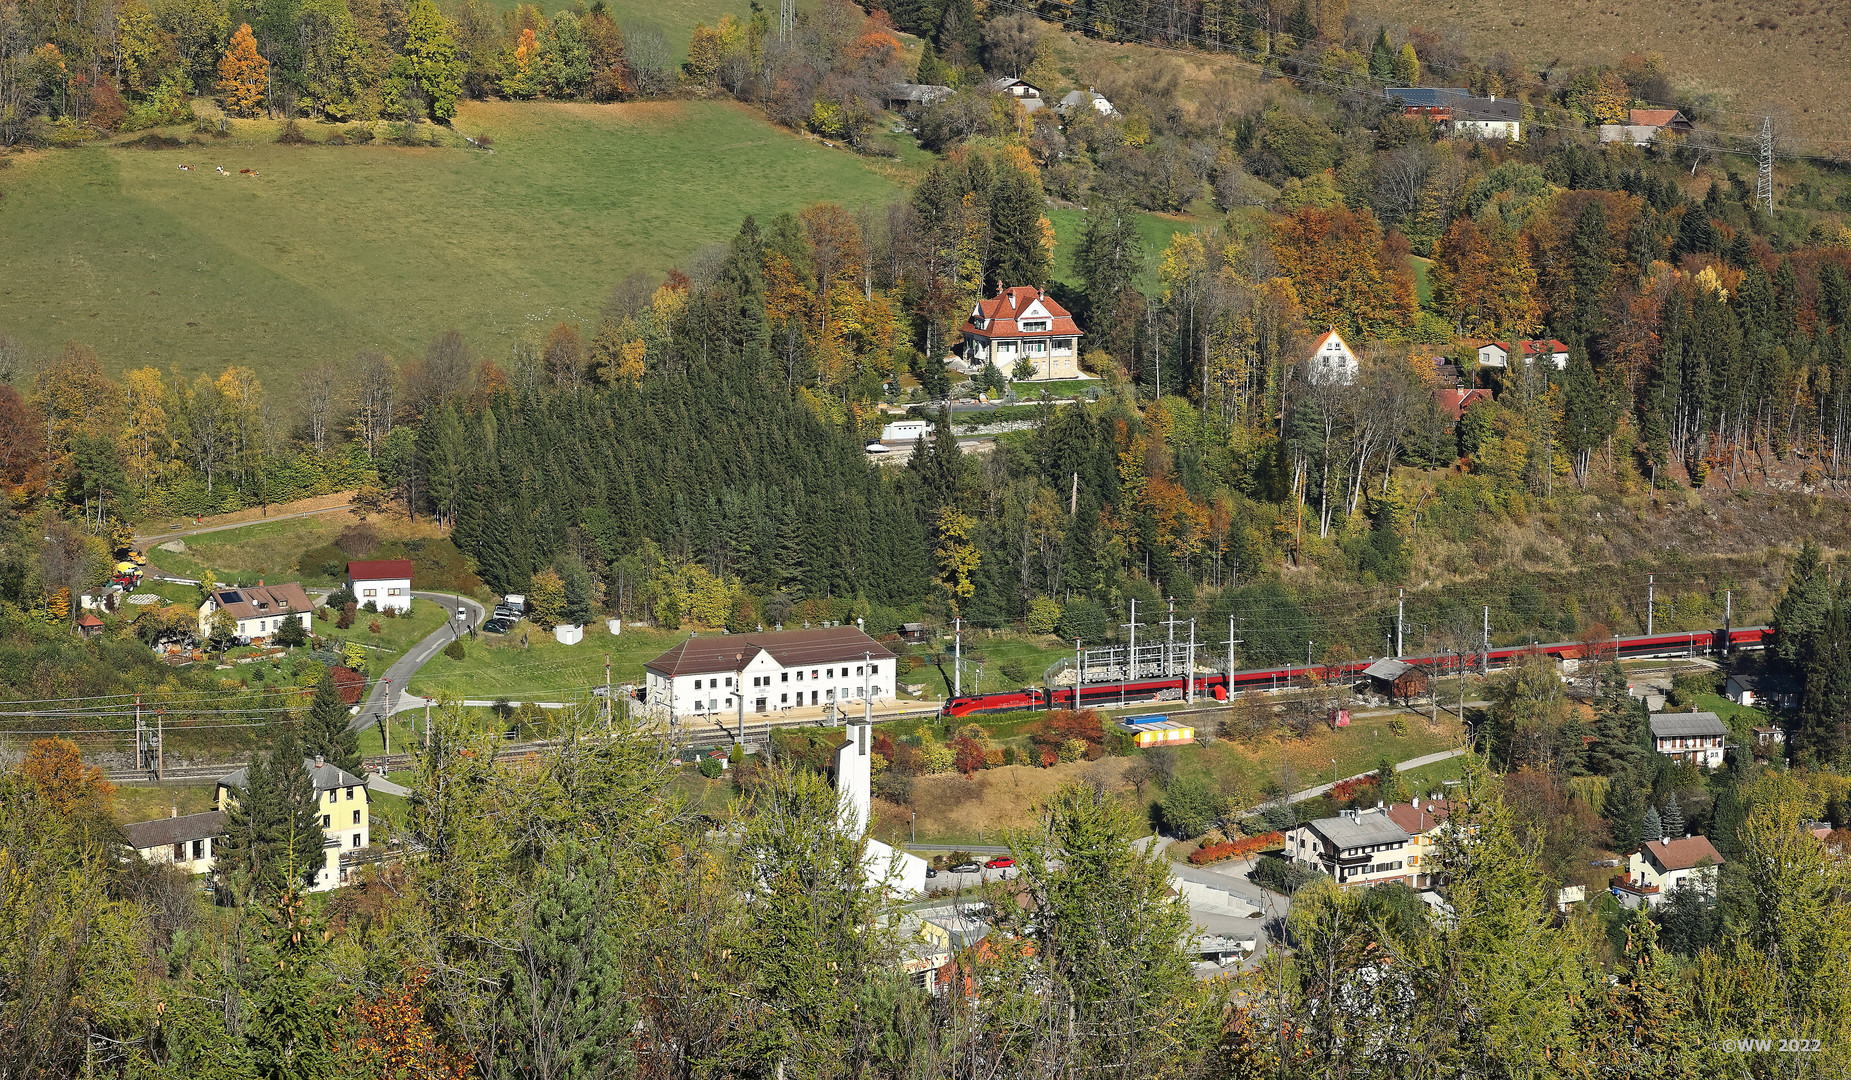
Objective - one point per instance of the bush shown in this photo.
(291, 135)
(454, 650)
(1282, 875)
(711, 769)
(1015, 671)
(1188, 807)
(1083, 619)
(371, 607)
(291, 634)
(895, 787)
(374, 628)
(1235, 849)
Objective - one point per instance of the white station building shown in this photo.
(786, 669)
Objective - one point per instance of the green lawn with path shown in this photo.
(1155, 230)
(264, 549)
(499, 666)
(326, 250)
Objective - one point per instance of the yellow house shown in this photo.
(188, 842)
(345, 826)
(1421, 820)
(1151, 731)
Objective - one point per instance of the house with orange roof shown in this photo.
(1331, 361)
(1644, 125)
(1023, 323)
(1661, 866)
(1496, 354)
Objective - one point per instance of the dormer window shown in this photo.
(977, 322)
(1039, 326)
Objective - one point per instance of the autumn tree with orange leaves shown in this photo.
(1483, 281)
(244, 75)
(398, 1043)
(56, 771)
(1335, 261)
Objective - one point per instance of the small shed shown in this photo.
(1758, 688)
(1149, 731)
(914, 633)
(89, 625)
(1397, 679)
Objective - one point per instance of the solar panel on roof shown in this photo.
(233, 597)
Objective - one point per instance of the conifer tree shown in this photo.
(325, 729)
(243, 75)
(1622, 811)
(1654, 827)
(1825, 709)
(292, 1030)
(1018, 246)
(1802, 608)
(273, 838)
(1673, 818)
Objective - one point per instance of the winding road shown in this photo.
(465, 615)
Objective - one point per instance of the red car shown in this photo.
(1001, 862)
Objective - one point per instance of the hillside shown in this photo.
(328, 250)
(1751, 58)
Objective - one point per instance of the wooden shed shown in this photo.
(1397, 679)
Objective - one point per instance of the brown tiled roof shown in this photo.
(262, 601)
(1682, 854)
(163, 832)
(379, 570)
(1454, 402)
(1000, 314)
(89, 619)
(1416, 821)
(1654, 117)
(790, 648)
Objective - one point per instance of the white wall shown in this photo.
(385, 593)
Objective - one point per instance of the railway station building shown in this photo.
(786, 669)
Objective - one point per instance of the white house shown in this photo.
(258, 610)
(385, 583)
(187, 842)
(759, 673)
(906, 431)
(1025, 92)
(1488, 118)
(1752, 689)
(1357, 847)
(1496, 354)
(1692, 736)
(1023, 324)
(340, 796)
(1664, 865)
(1080, 99)
(1331, 361)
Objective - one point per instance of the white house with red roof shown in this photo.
(384, 583)
(1331, 360)
(1497, 353)
(1022, 323)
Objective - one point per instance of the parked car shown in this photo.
(497, 626)
(931, 871)
(1001, 862)
(966, 868)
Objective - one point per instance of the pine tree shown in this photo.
(1622, 811)
(1591, 269)
(243, 75)
(1587, 414)
(1382, 58)
(326, 730)
(1618, 718)
(1803, 606)
(292, 1029)
(1825, 710)
(273, 837)
(1673, 818)
(1018, 248)
(1654, 827)
(932, 71)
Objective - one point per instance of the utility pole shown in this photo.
(160, 745)
(1231, 642)
(739, 692)
(141, 738)
(1169, 648)
(1401, 600)
(867, 699)
(1764, 174)
(427, 725)
(1189, 668)
(1728, 617)
(1129, 670)
(1484, 656)
(610, 709)
(1079, 676)
(957, 658)
(1650, 592)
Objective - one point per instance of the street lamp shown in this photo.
(1333, 772)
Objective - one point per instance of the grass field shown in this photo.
(329, 250)
(145, 802)
(265, 550)
(498, 667)
(1154, 229)
(1422, 288)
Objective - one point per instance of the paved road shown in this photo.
(387, 687)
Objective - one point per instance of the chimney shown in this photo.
(318, 761)
(173, 810)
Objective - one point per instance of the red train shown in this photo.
(1689, 643)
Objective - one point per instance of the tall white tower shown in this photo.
(855, 778)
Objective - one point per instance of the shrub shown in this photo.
(1073, 750)
(291, 633)
(350, 683)
(374, 628)
(895, 787)
(454, 650)
(969, 753)
(1188, 807)
(711, 769)
(1015, 671)
(371, 607)
(291, 135)
(1283, 875)
(1235, 849)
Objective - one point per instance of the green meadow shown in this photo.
(323, 251)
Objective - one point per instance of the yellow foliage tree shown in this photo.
(56, 771)
(146, 439)
(243, 75)
(958, 555)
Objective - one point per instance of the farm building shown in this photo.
(1396, 679)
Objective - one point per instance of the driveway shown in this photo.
(393, 682)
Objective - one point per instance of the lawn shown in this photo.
(1154, 229)
(395, 637)
(497, 666)
(985, 655)
(145, 802)
(1422, 288)
(268, 549)
(328, 250)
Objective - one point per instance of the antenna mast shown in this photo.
(1764, 176)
